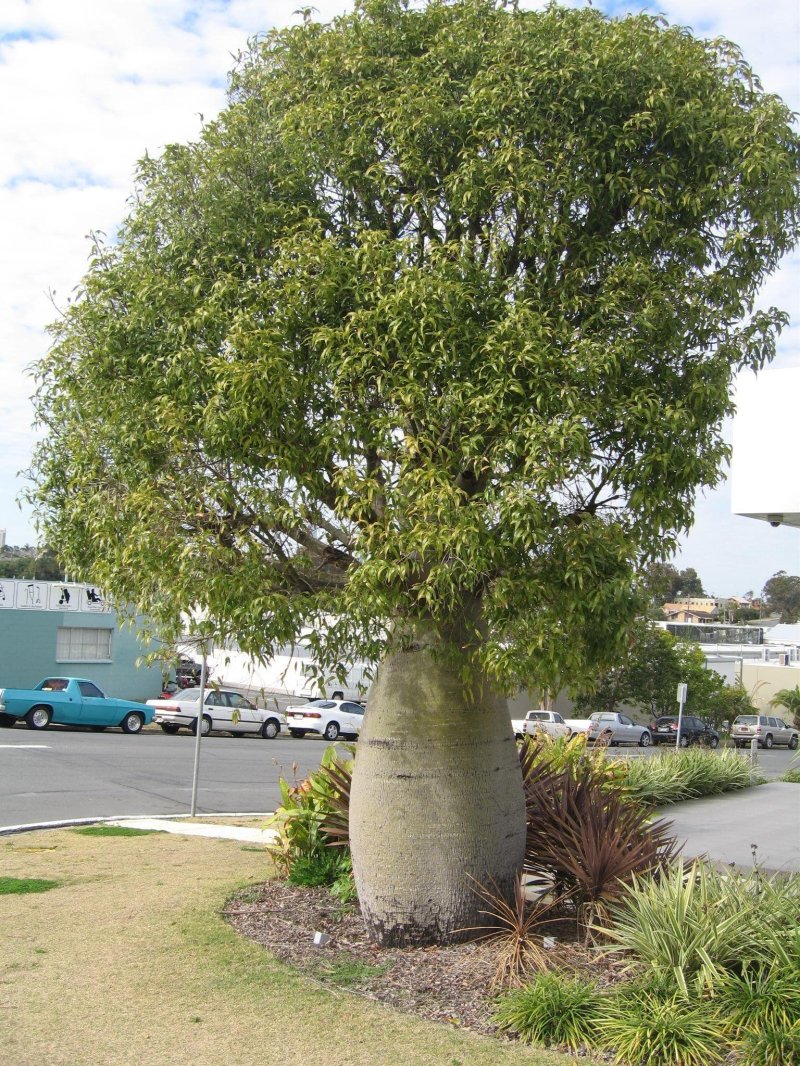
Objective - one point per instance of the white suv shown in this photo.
(767, 730)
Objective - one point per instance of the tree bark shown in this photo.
(436, 800)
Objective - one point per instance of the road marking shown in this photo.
(27, 746)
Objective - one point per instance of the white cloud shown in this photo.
(90, 85)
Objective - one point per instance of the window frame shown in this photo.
(71, 654)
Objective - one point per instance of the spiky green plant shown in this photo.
(323, 866)
(552, 1009)
(643, 1028)
(671, 776)
(696, 926)
(574, 754)
(761, 998)
(774, 1045)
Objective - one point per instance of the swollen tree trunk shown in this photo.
(436, 800)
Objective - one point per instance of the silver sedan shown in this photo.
(616, 728)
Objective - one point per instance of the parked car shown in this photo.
(767, 730)
(534, 722)
(326, 718)
(693, 731)
(616, 728)
(70, 701)
(224, 710)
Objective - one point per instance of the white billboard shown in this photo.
(35, 595)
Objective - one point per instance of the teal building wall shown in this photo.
(29, 639)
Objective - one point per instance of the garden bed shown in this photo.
(450, 984)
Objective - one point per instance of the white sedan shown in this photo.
(224, 710)
(327, 718)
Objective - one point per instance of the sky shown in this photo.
(88, 86)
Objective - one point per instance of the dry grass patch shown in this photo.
(129, 961)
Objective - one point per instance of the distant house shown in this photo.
(693, 610)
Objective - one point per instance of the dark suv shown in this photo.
(693, 731)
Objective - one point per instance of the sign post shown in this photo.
(199, 727)
(683, 688)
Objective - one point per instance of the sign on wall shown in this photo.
(51, 596)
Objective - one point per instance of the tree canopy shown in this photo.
(441, 311)
(782, 593)
(648, 674)
(663, 582)
(44, 567)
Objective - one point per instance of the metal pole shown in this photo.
(682, 690)
(199, 731)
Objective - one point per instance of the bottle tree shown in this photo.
(413, 355)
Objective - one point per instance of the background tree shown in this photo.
(663, 583)
(723, 703)
(782, 593)
(657, 582)
(687, 583)
(789, 700)
(43, 567)
(647, 677)
(421, 347)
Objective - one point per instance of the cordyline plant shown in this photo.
(586, 838)
(514, 931)
(420, 347)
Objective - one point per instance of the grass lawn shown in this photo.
(128, 962)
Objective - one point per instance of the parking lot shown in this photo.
(62, 773)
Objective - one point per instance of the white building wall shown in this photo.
(764, 479)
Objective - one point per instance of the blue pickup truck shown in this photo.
(70, 701)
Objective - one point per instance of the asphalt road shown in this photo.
(61, 773)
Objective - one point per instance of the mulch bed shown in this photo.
(450, 984)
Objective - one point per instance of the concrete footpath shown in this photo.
(208, 828)
(725, 827)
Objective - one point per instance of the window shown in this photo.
(352, 708)
(54, 684)
(187, 695)
(88, 689)
(75, 645)
(235, 699)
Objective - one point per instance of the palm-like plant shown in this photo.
(514, 930)
(789, 699)
(588, 841)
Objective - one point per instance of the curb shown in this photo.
(9, 830)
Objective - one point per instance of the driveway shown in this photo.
(725, 827)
